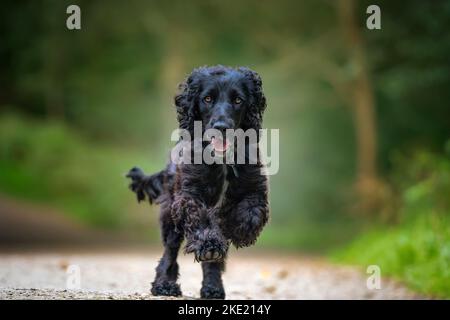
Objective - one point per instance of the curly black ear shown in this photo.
(186, 99)
(257, 105)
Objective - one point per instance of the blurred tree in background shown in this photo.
(78, 108)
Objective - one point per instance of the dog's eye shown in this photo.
(238, 100)
(207, 99)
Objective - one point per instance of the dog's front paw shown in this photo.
(210, 252)
(207, 246)
(212, 292)
(166, 288)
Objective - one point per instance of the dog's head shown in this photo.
(221, 98)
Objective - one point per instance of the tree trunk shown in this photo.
(363, 106)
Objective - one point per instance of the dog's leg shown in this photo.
(193, 208)
(212, 286)
(165, 283)
(246, 223)
(245, 219)
(207, 243)
(203, 235)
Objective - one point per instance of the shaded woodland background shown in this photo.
(364, 115)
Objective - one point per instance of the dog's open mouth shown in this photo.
(220, 145)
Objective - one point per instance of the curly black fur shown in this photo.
(189, 193)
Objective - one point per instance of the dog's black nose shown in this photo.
(221, 126)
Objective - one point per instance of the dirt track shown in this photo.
(128, 276)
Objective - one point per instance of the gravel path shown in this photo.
(128, 276)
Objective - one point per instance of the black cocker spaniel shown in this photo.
(209, 205)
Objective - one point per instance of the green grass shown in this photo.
(416, 250)
(416, 253)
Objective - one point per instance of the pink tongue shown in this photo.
(219, 144)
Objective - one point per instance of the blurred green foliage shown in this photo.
(50, 163)
(417, 250)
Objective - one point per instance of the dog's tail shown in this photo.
(146, 186)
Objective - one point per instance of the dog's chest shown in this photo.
(222, 190)
(222, 194)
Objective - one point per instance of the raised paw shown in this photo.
(166, 288)
(212, 292)
(209, 254)
(208, 246)
(211, 250)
